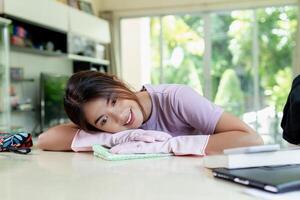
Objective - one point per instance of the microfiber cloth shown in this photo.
(103, 153)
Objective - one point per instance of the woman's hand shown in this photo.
(84, 141)
(180, 145)
(138, 135)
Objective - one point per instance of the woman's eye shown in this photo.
(114, 101)
(103, 121)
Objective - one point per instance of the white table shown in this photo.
(66, 175)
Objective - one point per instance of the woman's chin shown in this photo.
(135, 125)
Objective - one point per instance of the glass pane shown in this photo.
(183, 48)
(233, 69)
(251, 60)
(277, 29)
(4, 84)
(232, 80)
(155, 42)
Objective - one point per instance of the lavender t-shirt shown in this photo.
(180, 110)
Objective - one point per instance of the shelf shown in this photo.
(4, 21)
(22, 111)
(22, 80)
(36, 51)
(24, 107)
(27, 37)
(88, 59)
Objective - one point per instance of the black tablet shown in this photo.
(275, 179)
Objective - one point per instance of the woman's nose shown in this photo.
(119, 115)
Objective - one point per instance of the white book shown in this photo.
(244, 160)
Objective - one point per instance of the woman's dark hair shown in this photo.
(85, 86)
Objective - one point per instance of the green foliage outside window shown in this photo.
(230, 94)
(232, 38)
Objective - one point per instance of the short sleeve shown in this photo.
(196, 110)
(83, 141)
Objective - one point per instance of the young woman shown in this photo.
(158, 119)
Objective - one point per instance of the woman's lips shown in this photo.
(130, 118)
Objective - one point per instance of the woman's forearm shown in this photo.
(58, 138)
(218, 142)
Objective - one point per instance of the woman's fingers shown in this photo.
(152, 137)
(158, 135)
(144, 138)
(126, 148)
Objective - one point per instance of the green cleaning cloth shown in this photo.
(103, 153)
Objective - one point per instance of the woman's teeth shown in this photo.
(129, 118)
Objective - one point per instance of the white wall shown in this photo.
(33, 65)
(135, 50)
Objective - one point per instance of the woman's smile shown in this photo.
(130, 119)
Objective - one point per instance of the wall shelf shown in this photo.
(22, 111)
(21, 80)
(28, 37)
(41, 28)
(88, 59)
(36, 51)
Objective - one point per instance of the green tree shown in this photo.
(229, 95)
(221, 57)
(276, 36)
(232, 44)
(277, 28)
(179, 33)
(281, 88)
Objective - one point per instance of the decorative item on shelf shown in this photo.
(49, 46)
(99, 68)
(18, 101)
(73, 3)
(20, 105)
(86, 7)
(89, 49)
(99, 51)
(20, 36)
(82, 46)
(16, 73)
(102, 68)
(14, 99)
(25, 105)
(85, 65)
(12, 91)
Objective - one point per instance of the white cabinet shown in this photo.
(52, 14)
(44, 12)
(89, 26)
(64, 20)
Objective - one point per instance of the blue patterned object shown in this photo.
(18, 143)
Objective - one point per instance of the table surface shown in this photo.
(67, 175)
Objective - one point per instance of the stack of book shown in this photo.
(244, 160)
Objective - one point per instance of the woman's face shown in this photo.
(113, 115)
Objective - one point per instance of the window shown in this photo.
(241, 59)
(181, 54)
